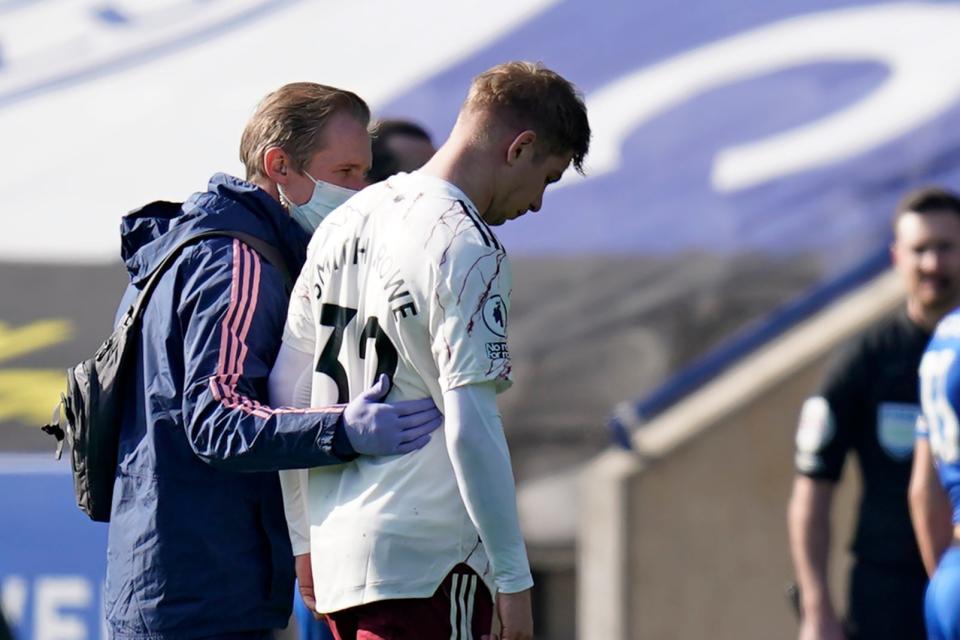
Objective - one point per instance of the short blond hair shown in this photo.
(294, 118)
(530, 96)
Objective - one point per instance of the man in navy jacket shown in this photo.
(198, 546)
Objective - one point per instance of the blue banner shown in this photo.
(783, 127)
(52, 558)
(784, 131)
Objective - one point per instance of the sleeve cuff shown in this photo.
(450, 382)
(340, 444)
(818, 473)
(515, 585)
(332, 438)
(299, 544)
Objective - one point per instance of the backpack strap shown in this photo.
(267, 250)
(53, 427)
(133, 314)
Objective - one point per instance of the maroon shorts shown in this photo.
(461, 609)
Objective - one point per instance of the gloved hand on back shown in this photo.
(376, 428)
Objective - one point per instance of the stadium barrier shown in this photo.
(685, 536)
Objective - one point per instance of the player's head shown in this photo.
(534, 122)
(398, 145)
(926, 248)
(305, 141)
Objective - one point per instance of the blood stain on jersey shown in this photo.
(462, 225)
(446, 343)
(484, 299)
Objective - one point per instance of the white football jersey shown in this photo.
(406, 279)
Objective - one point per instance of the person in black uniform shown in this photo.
(868, 404)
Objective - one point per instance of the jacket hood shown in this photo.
(230, 204)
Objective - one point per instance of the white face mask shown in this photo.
(326, 197)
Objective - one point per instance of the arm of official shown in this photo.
(809, 528)
(233, 306)
(826, 430)
(930, 509)
(481, 462)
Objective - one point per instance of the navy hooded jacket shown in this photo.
(198, 543)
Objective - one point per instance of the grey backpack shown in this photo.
(90, 420)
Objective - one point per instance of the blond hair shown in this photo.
(294, 118)
(528, 95)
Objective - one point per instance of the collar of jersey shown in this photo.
(439, 186)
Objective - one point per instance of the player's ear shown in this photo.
(521, 146)
(276, 165)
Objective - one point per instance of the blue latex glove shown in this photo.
(375, 428)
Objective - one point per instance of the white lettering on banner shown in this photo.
(61, 607)
(916, 42)
(51, 596)
(14, 598)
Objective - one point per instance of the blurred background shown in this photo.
(671, 310)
